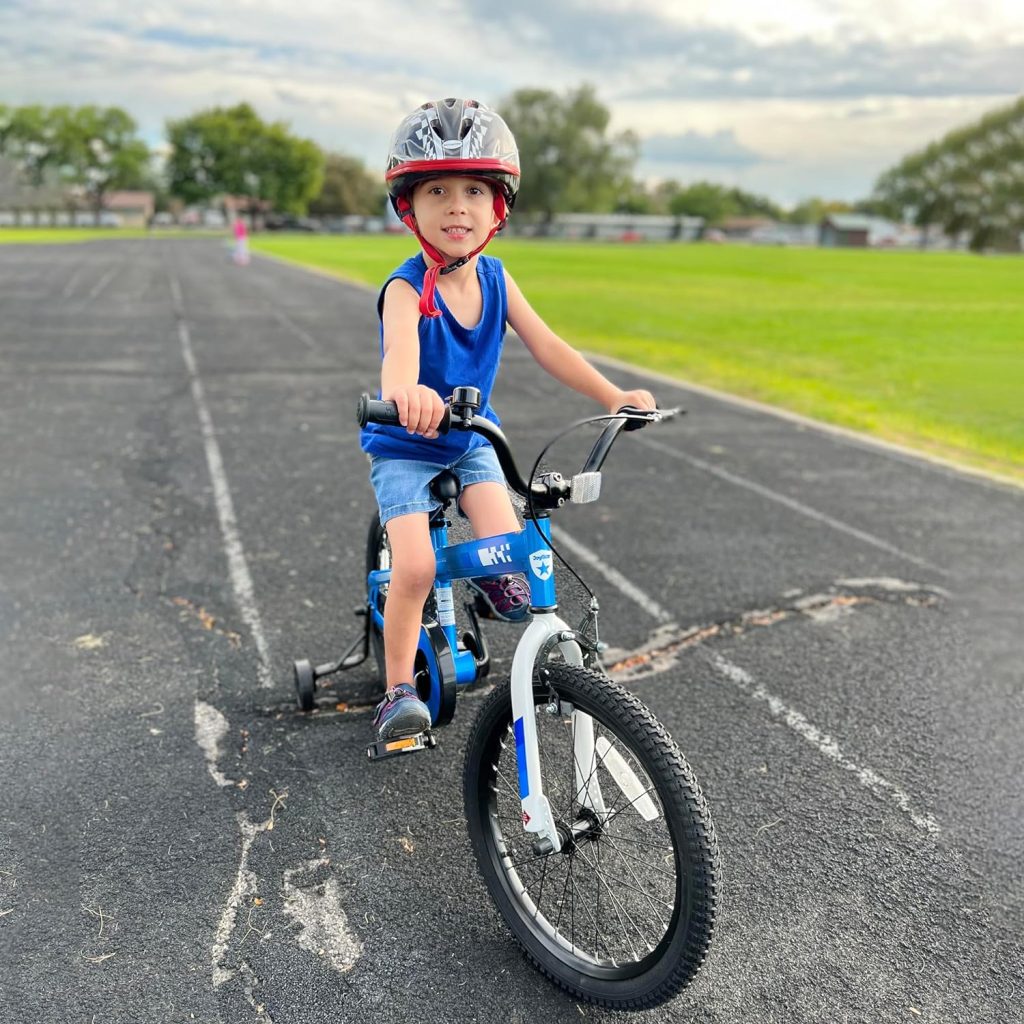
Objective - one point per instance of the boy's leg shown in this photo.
(401, 713)
(412, 575)
(489, 509)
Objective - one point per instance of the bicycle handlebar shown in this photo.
(549, 491)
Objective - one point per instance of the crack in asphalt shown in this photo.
(669, 640)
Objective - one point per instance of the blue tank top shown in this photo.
(451, 355)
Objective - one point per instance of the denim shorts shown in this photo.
(402, 485)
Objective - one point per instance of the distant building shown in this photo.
(619, 227)
(745, 229)
(132, 209)
(844, 230)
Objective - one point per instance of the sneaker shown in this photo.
(505, 597)
(401, 713)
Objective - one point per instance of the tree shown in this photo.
(813, 210)
(232, 151)
(704, 199)
(750, 205)
(971, 180)
(348, 188)
(634, 198)
(31, 138)
(99, 151)
(568, 162)
(93, 149)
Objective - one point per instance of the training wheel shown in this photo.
(305, 685)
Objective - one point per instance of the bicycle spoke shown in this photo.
(617, 906)
(561, 902)
(647, 864)
(647, 895)
(636, 842)
(508, 785)
(639, 796)
(633, 888)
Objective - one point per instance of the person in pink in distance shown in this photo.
(241, 254)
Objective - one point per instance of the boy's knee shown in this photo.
(414, 575)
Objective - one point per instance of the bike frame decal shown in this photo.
(541, 563)
(524, 776)
(445, 605)
(494, 555)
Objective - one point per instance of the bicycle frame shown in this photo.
(528, 552)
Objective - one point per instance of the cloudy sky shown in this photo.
(815, 97)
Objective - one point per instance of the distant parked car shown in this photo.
(291, 222)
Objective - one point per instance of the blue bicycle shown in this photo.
(590, 830)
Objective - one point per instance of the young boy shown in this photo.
(453, 175)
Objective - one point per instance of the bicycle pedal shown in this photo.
(404, 745)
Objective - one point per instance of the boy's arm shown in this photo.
(419, 408)
(562, 361)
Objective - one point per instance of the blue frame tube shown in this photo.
(526, 551)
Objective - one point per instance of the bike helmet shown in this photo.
(451, 136)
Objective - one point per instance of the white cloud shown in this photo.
(804, 96)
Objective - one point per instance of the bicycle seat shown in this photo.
(445, 486)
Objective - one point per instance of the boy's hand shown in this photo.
(420, 409)
(639, 399)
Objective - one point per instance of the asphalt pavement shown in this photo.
(829, 629)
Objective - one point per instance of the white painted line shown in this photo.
(103, 282)
(287, 322)
(70, 286)
(791, 503)
(824, 743)
(244, 885)
(323, 923)
(612, 575)
(211, 728)
(238, 567)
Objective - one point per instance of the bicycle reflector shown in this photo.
(585, 487)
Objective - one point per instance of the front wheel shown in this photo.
(623, 914)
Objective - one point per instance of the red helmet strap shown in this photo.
(427, 305)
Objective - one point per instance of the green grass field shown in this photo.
(924, 349)
(49, 236)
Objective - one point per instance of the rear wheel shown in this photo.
(305, 685)
(623, 914)
(378, 556)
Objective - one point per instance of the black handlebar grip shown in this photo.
(375, 410)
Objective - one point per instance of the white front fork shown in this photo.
(537, 815)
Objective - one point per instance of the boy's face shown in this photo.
(454, 214)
